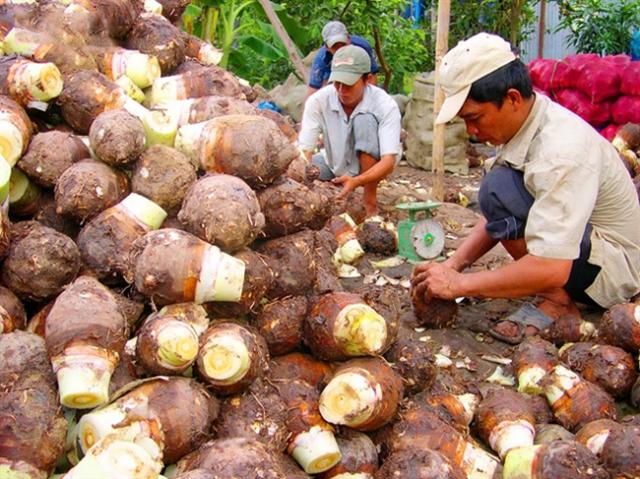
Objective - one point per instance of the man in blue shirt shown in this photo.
(336, 36)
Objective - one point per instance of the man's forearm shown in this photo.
(473, 247)
(377, 172)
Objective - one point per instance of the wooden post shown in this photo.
(284, 36)
(541, 28)
(442, 46)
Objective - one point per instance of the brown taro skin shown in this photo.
(87, 188)
(620, 452)
(40, 261)
(435, 313)
(12, 311)
(567, 460)
(49, 154)
(413, 360)
(326, 280)
(259, 414)
(32, 428)
(359, 455)
(222, 210)
(117, 16)
(610, 367)
(172, 9)
(619, 327)
(418, 463)
(280, 323)
(155, 35)
(182, 406)
(302, 367)
(256, 346)
(501, 405)
(163, 174)
(117, 137)
(200, 81)
(376, 239)
(444, 405)
(209, 107)
(231, 458)
(535, 351)
(85, 312)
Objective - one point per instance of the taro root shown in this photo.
(117, 137)
(341, 325)
(280, 323)
(222, 145)
(353, 205)
(558, 459)
(504, 420)
(635, 394)
(139, 68)
(378, 236)
(533, 358)
(47, 215)
(567, 329)
(305, 172)
(27, 82)
(163, 175)
(594, 434)
(230, 458)
(195, 48)
(106, 240)
(173, 266)
(50, 154)
(155, 35)
(168, 340)
(300, 366)
(40, 261)
(222, 210)
(620, 452)
(359, 456)
(32, 428)
(291, 259)
(196, 110)
(418, 463)
(325, 246)
(15, 130)
(575, 401)
(231, 357)
(12, 313)
(619, 327)
(180, 407)
(172, 10)
(627, 137)
(457, 410)
(85, 335)
(344, 230)
(434, 313)
(117, 16)
(363, 394)
(540, 407)
(546, 433)
(87, 188)
(24, 196)
(609, 367)
(312, 442)
(289, 207)
(37, 322)
(259, 413)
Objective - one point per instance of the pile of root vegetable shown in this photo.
(162, 237)
(627, 142)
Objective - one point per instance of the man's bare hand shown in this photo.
(349, 183)
(436, 280)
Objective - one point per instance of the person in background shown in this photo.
(336, 36)
(360, 124)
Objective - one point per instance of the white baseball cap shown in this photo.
(335, 32)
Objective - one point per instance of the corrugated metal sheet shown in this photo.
(555, 44)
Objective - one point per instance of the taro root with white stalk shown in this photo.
(504, 420)
(116, 16)
(24, 195)
(85, 334)
(594, 434)
(558, 459)
(140, 68)
(40, 261)
(117, 137)
(435, 312)
(173, 266)
(280, 323)
(32, 429)
(12, 313)
(105, 241)
(620, 452)
(292, 260)
(305, 172)
(15, 130)
(569, 329)
(610, 367)
(231, 357)
(620, 326)
(27, 82)
(200, 50)
(163, 175)
(359, 457)
(363, 394)
(418, 463)
(341, 325)
(258, 413)
(155, 35)
(312, 442)
(546, 433)
(344, 230)
(457, 410)
(168, 340)
(289, 206)
(533, 358)
(222, 210)
(300, 366)
(627, 137)
(250, 147)
(575, 401)
(49, 154)
(87, 188)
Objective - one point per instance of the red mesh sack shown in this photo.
(598, 80)
(630, 84)
(610, 131)
(549, 75)
(626, 109)
(579, 59)
(596, 114)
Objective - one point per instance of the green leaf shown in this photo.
(192, 10)
(261, 47)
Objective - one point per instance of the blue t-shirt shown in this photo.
(321, 66)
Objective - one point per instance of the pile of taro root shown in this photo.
(171, 305)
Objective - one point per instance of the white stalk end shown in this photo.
(187, 140)
(225, 359)
(221, 277)
(11, 141)
(130, 88)
(619, 144)
(145, 210)
(596, 442)
(161, 127)
(529, 380)
(177, 345)
(98, 424)
(511, 434)
(587, 330)
(142, 69)
(316, 450)
(165, 89)
(469, 403)
(37, 81)
(478, 464)
(563, 380)
(209, 55)
(5, 179)
(360, 330)
(349, 399)
(519, 463)
(152, 6)
(350, 251)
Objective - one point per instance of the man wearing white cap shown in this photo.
(360, 125)
(557, 197)
(336, 36)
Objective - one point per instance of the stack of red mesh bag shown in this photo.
(604, 91)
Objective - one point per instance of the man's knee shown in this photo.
(365, 134)
(321, 162)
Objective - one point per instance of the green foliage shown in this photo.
(599, 26)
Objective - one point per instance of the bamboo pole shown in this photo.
(442, 45)
(284, 36)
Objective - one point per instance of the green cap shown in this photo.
(348, 64)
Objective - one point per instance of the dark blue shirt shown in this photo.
(321, 66)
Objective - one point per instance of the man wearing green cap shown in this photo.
(557, 197)
(360, 124)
